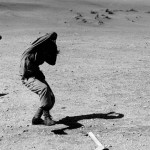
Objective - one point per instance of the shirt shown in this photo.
(31, 58)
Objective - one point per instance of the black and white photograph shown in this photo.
(74, 74)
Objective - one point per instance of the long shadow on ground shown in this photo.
(3, 94)
(72, 122)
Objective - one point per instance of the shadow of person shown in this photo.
(72, 122)
(3, 94)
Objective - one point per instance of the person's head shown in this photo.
(50, 53)
(53, 37)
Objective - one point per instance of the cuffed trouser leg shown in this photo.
(41, 88)
(36, 120)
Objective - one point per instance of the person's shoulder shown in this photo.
(48, 36)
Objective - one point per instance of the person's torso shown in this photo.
(30, 62)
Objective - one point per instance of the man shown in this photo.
(44, 49)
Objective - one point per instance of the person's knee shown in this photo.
(49, 105)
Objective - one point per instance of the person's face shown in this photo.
(50, 52)
(50, 58)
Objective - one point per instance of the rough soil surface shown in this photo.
(101, 80)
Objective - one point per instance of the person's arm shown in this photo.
(51, 59)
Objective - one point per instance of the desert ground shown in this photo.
(101, 80)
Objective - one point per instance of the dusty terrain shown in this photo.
(101, 80)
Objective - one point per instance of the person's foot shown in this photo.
(37, 121)
(48, 121)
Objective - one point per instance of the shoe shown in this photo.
(48, 121)
(37, 121)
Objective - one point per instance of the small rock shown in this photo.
(109, 11)
(25, 130)
(107, 17)
(94, 12)
(63, 107)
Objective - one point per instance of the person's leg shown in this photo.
(36, 120)
(46, 111)
(46, 97)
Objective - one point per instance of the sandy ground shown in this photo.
(101, 80)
